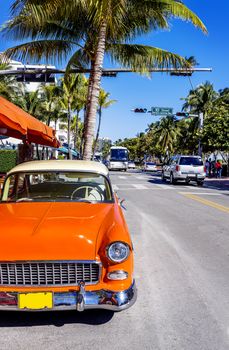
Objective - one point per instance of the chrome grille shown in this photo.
(53, 273)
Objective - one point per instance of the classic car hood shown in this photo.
(51, 231)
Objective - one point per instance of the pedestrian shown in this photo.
(207, 167)
(213, 169)
(218, 167)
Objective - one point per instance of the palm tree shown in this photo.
(71, 86)
(192, 60)
(30, 102)
(91, 28)
(167, 130)
(103, 102)
(200, 99)
(49, 95)
(8, 84)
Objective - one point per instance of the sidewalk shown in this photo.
(222, 183)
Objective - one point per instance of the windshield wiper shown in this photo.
(36, 197)
(83, 201)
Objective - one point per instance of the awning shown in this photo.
(15, 122)
(65, 151)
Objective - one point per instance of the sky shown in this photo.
(161, 90)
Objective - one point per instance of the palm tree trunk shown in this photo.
(69, 129)
(89, 90)
(98, 130)
(96, 75)
(83, 134)
(76, 130)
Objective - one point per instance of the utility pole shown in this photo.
(201, 124)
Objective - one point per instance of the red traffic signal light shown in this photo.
(140, 110)
(182, 114)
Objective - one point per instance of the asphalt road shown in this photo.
(181, 240)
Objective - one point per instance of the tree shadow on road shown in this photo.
(55, 318)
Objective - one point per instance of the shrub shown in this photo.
(8, 159)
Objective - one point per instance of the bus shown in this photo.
(118, 158)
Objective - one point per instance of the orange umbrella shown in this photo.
(15, 122)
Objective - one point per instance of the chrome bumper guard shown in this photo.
(80, 301)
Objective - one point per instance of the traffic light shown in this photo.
(182, 114)
(140, 110)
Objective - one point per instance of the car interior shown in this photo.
(46, 187)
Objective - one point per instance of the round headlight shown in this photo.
(118, 251)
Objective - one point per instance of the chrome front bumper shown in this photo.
(80, 301)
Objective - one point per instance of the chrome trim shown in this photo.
(80, 299)
(100, 299)
(29, 262)
(113, 261)
(124, 273)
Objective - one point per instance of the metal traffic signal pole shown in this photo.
(109, 72)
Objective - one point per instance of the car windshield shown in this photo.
(57, 187)
(191, 161)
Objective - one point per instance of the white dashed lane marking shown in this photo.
(164, 187)
(140, 187)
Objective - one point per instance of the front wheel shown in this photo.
(172, 180)
(163, 177)
(200, 183)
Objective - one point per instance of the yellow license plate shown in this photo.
(35, 301)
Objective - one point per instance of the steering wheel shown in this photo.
(88, 193)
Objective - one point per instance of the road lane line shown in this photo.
(203, 193)
(139, 177)
(164, 187)
(122, 177)
(140, 187)
(207, 202)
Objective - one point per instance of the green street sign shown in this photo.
(161, 110)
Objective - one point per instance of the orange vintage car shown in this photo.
(64, 240)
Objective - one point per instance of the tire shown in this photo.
(172, 180)
(200, 183)
(163, 177)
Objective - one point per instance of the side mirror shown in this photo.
(121, 203)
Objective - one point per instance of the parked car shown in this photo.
(131, 165)
(64, 240)
(149, 166)
(184, 168)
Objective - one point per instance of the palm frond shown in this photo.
(48, 49)
(78, 60)
(141, 58)
(169, 8)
